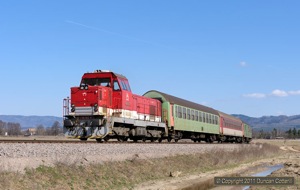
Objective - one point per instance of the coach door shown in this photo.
(171, 115)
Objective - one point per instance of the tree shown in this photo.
(290, 133)
(2, 127)
(40, 130)
(298, 133)
(294, 133)
(274, 133)
(56, 129)
(14, 128)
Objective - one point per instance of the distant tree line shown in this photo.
(55, 129)
(14, 129)
(10, 128)
(292, 133)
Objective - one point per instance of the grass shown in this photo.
(126, 174)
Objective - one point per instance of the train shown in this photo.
(103, 107)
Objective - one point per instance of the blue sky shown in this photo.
(236, 56)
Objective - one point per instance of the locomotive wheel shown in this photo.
(83, 139)
(99, 140)
(169, 139)
(122, 139)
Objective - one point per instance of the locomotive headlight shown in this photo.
(95, 107)
(82, 86)
(72, 108)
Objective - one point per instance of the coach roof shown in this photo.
(175, 100)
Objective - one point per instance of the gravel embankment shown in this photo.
(16, 156)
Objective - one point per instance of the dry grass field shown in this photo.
(137, 173)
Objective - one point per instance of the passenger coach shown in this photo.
(186, 119)
(193, 121)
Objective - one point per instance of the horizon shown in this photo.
(238, 57)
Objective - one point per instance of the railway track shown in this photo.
(42, 141)
(94, 141)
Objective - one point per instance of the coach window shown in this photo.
(196, 116)
(216, 119)
(188, 114)
(184, 113)
(193, 114)
(200, 116)
(206, 118)
(179, 111)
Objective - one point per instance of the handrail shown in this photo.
(66, 106)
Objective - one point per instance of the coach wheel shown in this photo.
(208, 140)
(176, 140)
(169, 139)
(159, 140)
(144, 139)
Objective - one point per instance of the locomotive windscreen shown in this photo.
(96, 81)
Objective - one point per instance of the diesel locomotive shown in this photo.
(103, 107)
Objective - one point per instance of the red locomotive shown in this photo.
(104, 107)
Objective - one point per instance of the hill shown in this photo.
(31, 121)
(268, 123)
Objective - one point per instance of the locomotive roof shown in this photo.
(175, 100)
(105, 72)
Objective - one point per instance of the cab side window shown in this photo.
(116, 86)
